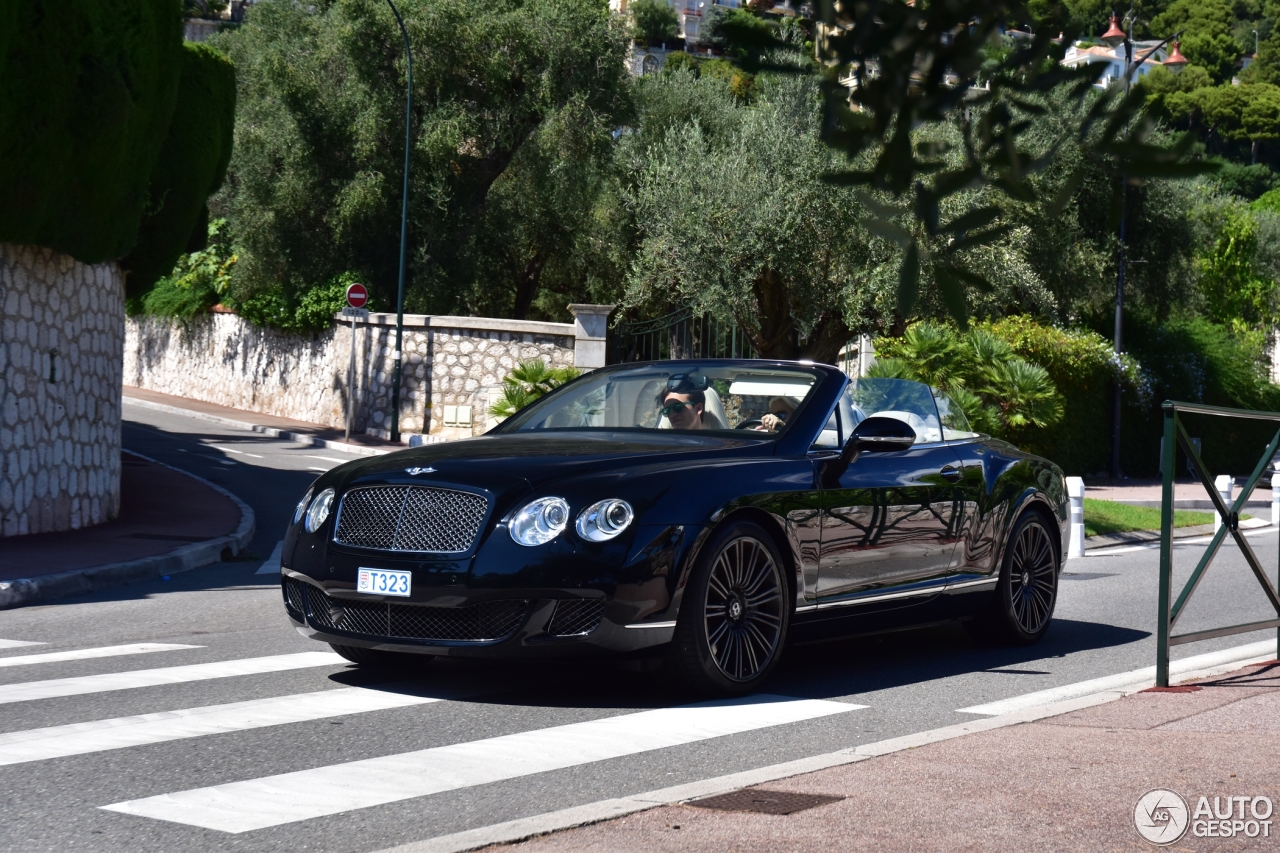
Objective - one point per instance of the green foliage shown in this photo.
(928, 59)
(1000, 392)
(740, 32)
(654, 21)
(527, 382)
(680, 61)
(197, 283)
(314, 187)
(1269, 201)
(1235, 295)
(312, 311)
(87, 93)
(1247, 182)
(1207, 40)
(190, 168)
(741, 84)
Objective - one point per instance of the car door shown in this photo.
(891, 518)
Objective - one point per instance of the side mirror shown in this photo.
(880, 433)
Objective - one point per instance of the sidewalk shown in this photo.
(303, 432)
(169, 521)
(1187, 493)
(1068, 782)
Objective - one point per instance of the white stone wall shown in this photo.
(448, 361)
(61, 337)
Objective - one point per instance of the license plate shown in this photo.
(382, 582)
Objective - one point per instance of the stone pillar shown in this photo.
(61, 347)
(590, 327)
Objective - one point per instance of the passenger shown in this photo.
(684, 410)
(780, 409)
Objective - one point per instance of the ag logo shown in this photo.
(1161, 816)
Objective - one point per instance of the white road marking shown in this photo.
(98, 652)
(1151, 546)
(1123, 679)
(14, 644)
(288, 797)
(108, 681)
(122, 732)
(272, 564)
(231, 450)
(327, 458)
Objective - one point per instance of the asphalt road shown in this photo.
(236, 648)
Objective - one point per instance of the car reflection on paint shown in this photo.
(706, 511)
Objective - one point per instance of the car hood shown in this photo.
(500, 463)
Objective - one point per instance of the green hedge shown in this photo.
(86, 92)
(190, 168)
(112, 131)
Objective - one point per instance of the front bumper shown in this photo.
(510, 623)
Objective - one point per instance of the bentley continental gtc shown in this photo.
(703, 512)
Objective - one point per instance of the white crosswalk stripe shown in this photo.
(122, 732)
(97, 652)
(13, 644)
(285, 798)
(58, 687)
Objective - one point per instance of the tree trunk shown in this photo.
(527, 285)
(775, 334)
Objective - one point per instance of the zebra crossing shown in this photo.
(259, 802)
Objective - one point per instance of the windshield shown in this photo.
(680, 397)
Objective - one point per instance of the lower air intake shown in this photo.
(575, 617)
(486, 622)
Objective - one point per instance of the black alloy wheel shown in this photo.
(734, 615)
(1022, 607)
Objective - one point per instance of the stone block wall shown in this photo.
(61, 336)
(447, 362)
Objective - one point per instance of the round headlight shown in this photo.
(604, 520)
(302, 507)
(319, 510)
(540, 521)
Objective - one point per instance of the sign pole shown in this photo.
(357, 299)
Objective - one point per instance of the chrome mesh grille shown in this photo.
(487, 621)
(410, 518)
(294, 596)
(576, 616)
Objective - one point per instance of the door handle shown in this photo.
(952, 473)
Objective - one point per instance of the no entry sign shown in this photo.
(357, 295)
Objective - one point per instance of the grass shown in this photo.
(1112, 517)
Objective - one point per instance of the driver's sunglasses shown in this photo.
(674, 408)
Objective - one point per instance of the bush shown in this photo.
(311, 312)
(679, 60)
(1248, 182)
(190, 168)
(87, 90)
(529, 381)
(197, 283)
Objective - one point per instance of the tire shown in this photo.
(734, 615)
(1021, 607)
(379, 659)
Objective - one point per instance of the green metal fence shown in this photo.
(1175, 435)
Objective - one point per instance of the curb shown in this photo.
(523, 829)
(79, 581)
(273, 432)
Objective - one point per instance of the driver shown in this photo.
(780, 409)
(684, 409)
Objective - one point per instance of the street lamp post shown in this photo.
(1114, 37)
(404, 229)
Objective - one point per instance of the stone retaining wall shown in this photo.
(60, 343)
(449, 364)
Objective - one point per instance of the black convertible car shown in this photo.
(708, 510)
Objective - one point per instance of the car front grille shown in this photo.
(576, 617)
(410, 518)
(295, 597)
(488, 621)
